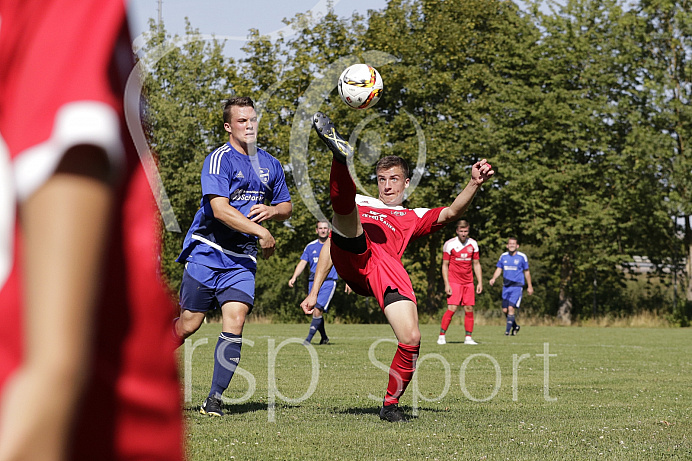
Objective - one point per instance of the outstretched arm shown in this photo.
(480, 172)
(324, 265)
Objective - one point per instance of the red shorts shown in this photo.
(372, 272)
(462, 295)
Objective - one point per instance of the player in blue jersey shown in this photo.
(309, 258)
(514, 267)
(220, 249)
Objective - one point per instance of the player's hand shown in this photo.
(529, 290)
(481, 172)
(261, 212)
(448, 291)
(308, 304)
(348, 290)
(492, 282)
(267, 243)
(291, 282)
(479, 288)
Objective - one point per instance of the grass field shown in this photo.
(612, 393)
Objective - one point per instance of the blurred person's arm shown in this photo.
(496, 274)
(65, 225)
(296, 273)
(527, 276)
(478, 270)
(445, 277)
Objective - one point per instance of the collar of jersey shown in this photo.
(375, 203)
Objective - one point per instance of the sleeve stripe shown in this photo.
(215, 161)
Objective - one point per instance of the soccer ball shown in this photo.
(360, 86)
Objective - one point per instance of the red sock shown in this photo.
(468, 323)
(342, 189)
(401, 372)
(446, 320)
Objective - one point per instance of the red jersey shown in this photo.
(393, 227)
(63, 67)
(460, 257)
(388, 231)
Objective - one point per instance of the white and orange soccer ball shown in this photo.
(360, 86)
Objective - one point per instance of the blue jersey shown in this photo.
(246, 181)
(311, 255)
(513, 267)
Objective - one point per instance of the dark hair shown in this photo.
(240, 101)
(464, 224)
(391, 161)
(513, 238)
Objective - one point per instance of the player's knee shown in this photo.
(468, 308)
(411, 338)
(187, 326)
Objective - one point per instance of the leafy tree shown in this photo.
(664, 32)
(576, 197)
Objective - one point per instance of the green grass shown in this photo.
(619, 394)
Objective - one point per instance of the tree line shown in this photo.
(583, 109)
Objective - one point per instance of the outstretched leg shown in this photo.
(342, 189)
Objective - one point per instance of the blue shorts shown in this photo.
(205, 288)
(511, 296)
(324, 297)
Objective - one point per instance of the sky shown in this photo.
(232, 19)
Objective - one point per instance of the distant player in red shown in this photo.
(368, 239)
(87, 370)
(460, 260)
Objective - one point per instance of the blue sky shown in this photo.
(232, 18)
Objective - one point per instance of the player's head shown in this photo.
(240, 121)
(392, 179)
(462, 229)
(512, 244)
(322, 229)
(236, 101)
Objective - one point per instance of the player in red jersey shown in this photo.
(460, 260)
(87, 370)
(368, 239)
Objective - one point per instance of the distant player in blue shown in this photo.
(220, 249)
(309, 258)
(514, 267)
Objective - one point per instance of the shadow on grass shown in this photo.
(407, 409)
(249, 407)
(359, 411)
